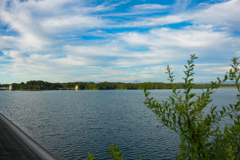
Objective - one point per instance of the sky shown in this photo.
(116, 40)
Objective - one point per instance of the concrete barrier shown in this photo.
(29, 142)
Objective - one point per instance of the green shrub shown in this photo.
(199, 131)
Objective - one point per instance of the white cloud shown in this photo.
(158, 21)
(223, 14)
(216, 70)
(94, 50)
(7, 41)
(36, 22)
(149, 7)
(19, 20)
(181, 5)
(69, 23)
(35, 52)
(198, 38)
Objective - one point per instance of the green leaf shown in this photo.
(185, 126)
(195, 146)
(90, 156)
(221, 112)
(224, 109)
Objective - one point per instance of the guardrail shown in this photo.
(34, 146)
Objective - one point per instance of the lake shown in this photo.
(70, 124)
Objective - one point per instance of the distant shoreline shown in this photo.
(43, 85)
(111, 89)
(227, 88)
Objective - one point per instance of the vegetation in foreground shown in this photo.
(201, 134)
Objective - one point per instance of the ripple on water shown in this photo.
(71, 124)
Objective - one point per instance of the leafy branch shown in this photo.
(199, 132)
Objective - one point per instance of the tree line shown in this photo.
(43, 85)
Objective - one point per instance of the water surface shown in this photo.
(70, 124)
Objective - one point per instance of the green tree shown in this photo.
(199, 130)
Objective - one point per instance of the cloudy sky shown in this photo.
(116, 40)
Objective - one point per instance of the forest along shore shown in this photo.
(16, 145)
(43, 85)
(227, 88)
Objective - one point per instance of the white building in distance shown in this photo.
(10, 88)
(76, 87)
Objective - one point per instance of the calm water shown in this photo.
(70, 124)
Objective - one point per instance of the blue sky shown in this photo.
(116, 40)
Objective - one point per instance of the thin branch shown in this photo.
(237, 152)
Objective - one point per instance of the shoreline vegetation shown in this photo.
(43, 85)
